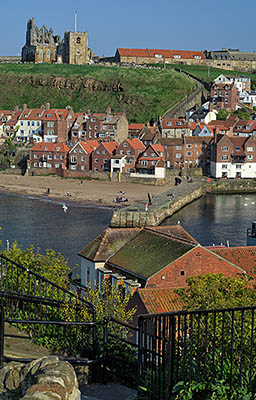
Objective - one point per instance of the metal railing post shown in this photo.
(105, 350)
(1, 338)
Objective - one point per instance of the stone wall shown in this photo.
(47, 378)
(197, 97)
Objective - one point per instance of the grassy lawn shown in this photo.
(145, 93)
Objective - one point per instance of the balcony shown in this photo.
(238, 159)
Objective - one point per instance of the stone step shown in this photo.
(110, 391)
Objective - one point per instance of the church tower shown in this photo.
(76, 48)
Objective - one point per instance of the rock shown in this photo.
(45, 378)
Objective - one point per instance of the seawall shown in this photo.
(173, 200)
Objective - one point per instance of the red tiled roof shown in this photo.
(50, 147)
(136, 143)
(187, 54)
(135, 126)
(110, 146)
(244, 257)
(176, 123)
(93, 143)
(160, 300)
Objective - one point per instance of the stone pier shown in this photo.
(166, 204)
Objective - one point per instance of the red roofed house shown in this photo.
(233, 157)
(47, 157)
(107, 126)
(149, 134)
(225, 96)
(80, 156)
(150, 56)
(134, 129)
(150, 158)
(101, 157)
(131, 149)
(56, 124)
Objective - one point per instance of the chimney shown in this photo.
(61, 116)
(24, 107)
(215, 135)
(15, 108)
(147, 124)
(42, 107)
(108, 110)
(210, 107)
(47, 106)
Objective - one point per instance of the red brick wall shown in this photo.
(198, 261)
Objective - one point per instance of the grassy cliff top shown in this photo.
(142, 93)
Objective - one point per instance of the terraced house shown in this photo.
(233, 157)
(48, 157)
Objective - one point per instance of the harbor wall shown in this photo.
(167, 204)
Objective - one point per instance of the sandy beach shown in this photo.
(97, 192)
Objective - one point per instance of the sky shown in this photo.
(159, 24)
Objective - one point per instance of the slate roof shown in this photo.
(176, 231)
(107, 243)
(150, 251)
(160, 300)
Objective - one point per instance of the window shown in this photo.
(238, 166)
(189, 153)
(237, 148)
(38, 123)
(128, 151)
(57, 148)
(73, 167)
(176, 56)
(189, 146)
(224, 148)
(93, 119)
(35, 164)
(35, 155)
(121, 151)
(57, 165)
(21, 131)
(104, 152)
(224, 158)
(78, 40)
(125, 144)
(178, 155)
(50, 124)
(49, 157)
(73, 159)
(82, 168)
(28, 123)
(144, 163)
(250, 148)
(98, 152)
(78, 53)
(75, 151)
(129, 161)
(224, 166)
(105, 160)
(83, 159)
(197, 57)
(96, 160)
(178, 147)
(153, 155)
(145, 154)
(250, 157)
(21, 122)
(49, 165)
(182, 273)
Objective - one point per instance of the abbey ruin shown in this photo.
(42, 46)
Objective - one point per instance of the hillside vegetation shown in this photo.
(142, 93)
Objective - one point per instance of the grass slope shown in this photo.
(208, 74)
(146, 93)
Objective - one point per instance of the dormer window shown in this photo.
(57, 148)
(237, 148)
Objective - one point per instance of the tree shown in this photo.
(241, 113)
(215, 291)
(222, 115)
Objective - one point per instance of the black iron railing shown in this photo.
(215, 345)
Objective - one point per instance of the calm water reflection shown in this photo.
(44, 224)
(211, 219)
(216, 219)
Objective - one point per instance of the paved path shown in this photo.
(111, 391)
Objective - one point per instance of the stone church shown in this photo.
(43, 47)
